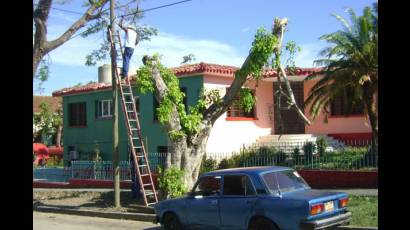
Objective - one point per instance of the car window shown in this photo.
(286, 181)
(208, 186)
(238, 185)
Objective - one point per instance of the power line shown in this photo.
(154, 8)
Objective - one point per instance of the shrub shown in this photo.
(207, 165)
(351, 157)
(227, 163)
(309, 148)
(321, 144)
(170, 181)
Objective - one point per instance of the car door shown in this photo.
(237, 201)
(202, 204)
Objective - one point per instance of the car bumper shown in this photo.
(328, 222)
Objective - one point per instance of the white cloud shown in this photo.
(174, 47)
(309, 53)
(246, 29)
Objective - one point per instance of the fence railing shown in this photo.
(347, 159)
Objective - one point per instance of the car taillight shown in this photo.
(316, 209)
(343, 202)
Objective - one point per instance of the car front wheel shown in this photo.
(262, 224)
(171, 222)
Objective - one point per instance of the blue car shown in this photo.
(254, 198)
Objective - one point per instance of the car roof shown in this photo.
(247, 170)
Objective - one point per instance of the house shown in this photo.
(88, 113)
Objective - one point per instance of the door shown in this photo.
(203, 204)
(237, 202)
(292, 123)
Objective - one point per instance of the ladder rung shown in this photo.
(138, 147)
(128, 102)
(147, 184)
(134, 138)
(140, 166)
(140, 157)
(144, 174)
(149, 193)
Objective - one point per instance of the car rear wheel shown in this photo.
(171, 222)
(262, 224)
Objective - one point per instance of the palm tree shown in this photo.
(350, 69)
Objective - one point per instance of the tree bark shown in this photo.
(41, 46)
(370, 104)
(58, 136)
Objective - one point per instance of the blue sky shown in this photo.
(216, 31)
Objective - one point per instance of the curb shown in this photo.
(355, 228)
(111, 215)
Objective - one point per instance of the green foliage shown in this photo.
(173, 98)
(96, 155)
(309, 148)
(98, 54)
(350, 64)
(321, 144)
(262, 156)
(207, 165)
(260, 52)
(296, 154)
(171, 182)
(46, 122)
(246, 99)
(292, 49)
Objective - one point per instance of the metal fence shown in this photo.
(342, 159)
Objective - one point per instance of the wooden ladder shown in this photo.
(133, 127)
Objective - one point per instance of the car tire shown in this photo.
(171, 222)
(262, 224)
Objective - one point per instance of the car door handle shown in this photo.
(214, 202)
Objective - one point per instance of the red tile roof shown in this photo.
(190, 69)
(54, 103)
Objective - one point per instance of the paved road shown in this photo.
(51, 221)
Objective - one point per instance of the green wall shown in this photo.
(100, 130)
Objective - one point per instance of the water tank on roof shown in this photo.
(104, 73)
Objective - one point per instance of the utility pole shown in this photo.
(116, 155)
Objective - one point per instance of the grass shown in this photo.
(364, 210)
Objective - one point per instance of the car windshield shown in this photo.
(284, 181)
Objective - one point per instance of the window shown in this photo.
(77, 114)
(104, 108)
(239, 185)
(285, 181)
(236, 110)
(208, 186)
(339, 108)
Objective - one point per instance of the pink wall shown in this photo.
(351, 124)
(227, 136)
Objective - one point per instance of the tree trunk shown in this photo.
(37, 57)
(368, 94)
(58, 136)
